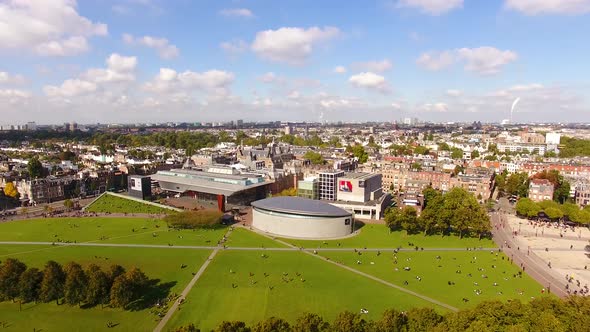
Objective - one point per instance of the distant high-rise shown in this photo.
(240, 123)
(288, 130)
(31, 126)
(72, 126)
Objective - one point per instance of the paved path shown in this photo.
(185, 292)
(289, 248)
(188, 287)
(386, 283)
(533, 266)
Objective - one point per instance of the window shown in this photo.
(347, 221)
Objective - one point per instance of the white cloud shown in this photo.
(291, 45)
(431, 7)
(9, 79)
(454, 93)
(70, 88)
(482, 60)
(66, 47)
(237, 12)
(486, 60)
(234, 47)
(396, 106)
(373, 66)
(168, 81)
(161, 45)
(339, 69)
(436, 107)
(14, 93)
(540, 7)
(47, 28)
(436, 60)
(369, 80)
(268, 77)
(119, 69)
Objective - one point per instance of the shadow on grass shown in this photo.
(154, 291)
(358, 225)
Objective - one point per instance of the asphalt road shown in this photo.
(532, 265)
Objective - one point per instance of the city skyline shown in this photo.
(178, 61)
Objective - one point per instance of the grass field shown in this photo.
(114, 204)
(163, 264)
(106, 230)
(241, 237)
(379, 236)
(436, 273)
(327, 290)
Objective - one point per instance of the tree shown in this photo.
(553, 213)
(456, 153)
(359, 152)
(10, 190)
(192, 328)
(314, 157)
(393, 218)
(527, 208)
(98, 285)
(349, 322)
(10, 272)
(138, 281)
(421, 150)
(392, 320)
(429, 218)
(121, 292)
(234, 326)
(409, 219)
(429, 195)
(422, 319)
(518, 184)
(272, 324)
(76, 284)
(30, 285)
(35, 168)
(581, 217)
(52, 286)
(114, 271)
(310, 323)
(68, 204)
(474, 154)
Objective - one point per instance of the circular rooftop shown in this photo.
(300, 206)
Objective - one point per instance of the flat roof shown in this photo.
(300, 206)
(359, 175)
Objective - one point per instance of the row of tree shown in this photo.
(525, 207)
(518, 184)
(457, 211)
(72, 283)
(541, 314)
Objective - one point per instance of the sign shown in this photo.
(345, 186)
(136, 184)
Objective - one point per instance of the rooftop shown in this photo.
(300, 206)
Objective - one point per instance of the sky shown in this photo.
(141, 61)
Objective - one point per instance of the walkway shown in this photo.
(532, 265)
(188, 287)
(289, 248)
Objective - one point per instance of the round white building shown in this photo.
(301, 218)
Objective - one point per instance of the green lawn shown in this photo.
(106, 230)
(436, 273)
(379, 236)
(114, 204)
(163, 264)
(241, 237)
(327, 290)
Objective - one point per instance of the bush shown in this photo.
(194, 219)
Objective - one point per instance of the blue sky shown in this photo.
(181, 60)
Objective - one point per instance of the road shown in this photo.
(532, 265)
